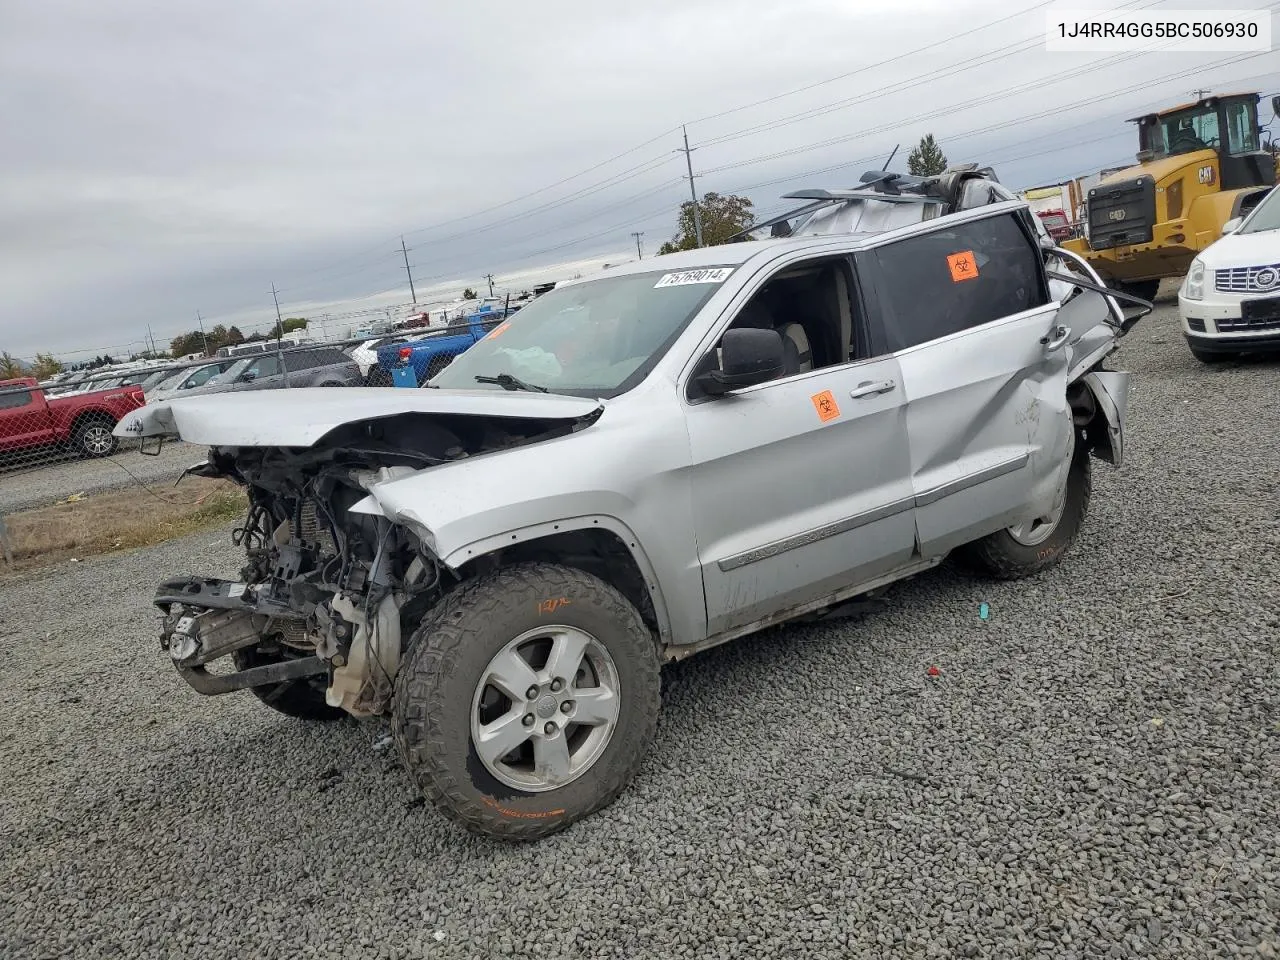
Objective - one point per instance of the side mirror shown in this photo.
(248, 376)
(1232, 225)
(747, 357)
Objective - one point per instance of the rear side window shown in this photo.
(953, 279)
(14, 398)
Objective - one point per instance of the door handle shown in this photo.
(1055, 338)
(870, 389)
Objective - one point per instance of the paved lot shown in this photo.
(1094, 773)
(25, 488)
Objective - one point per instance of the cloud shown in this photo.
(167, 158)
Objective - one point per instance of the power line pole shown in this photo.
(203, 335)
(489, 277)
(405, 251)
(151, 340)
(688, 158)
(279, 320)
(1199, 94)
(638, 234)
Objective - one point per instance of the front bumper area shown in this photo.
(1222, 343)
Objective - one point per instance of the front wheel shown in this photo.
(1035, 545)
(528, 700)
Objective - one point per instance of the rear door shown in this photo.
(965, 310)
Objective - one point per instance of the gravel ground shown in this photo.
(23, 489)
(1093, 774)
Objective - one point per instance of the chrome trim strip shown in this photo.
(972, 480)
(816, 534)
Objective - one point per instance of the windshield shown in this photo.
(1265, 216)
(594, 339)
(1187, 132)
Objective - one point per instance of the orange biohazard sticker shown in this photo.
(962, 266)
(498, 331)
(825, 404)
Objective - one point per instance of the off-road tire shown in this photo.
(1002, 557)
(1211, 357)
(302, 699)
(87, 440)
(454, 645)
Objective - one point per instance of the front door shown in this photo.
(801, 486)
(966, 311)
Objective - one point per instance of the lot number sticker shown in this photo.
(825, 404)
(709, 275)
(962, 266)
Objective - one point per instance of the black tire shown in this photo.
(302, 699)
(440, 680)
(1144, 289)
(93, 438)
(999, 555)
(434, 366)
(1211, 357)
(378, 377)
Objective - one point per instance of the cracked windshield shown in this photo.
(597, 338)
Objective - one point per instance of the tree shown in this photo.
(927, 159)
(722, 217)
(46, 366)
(10, 367)
(294, 323)
(232, 336)
(468, 294)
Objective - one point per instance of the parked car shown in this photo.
(188, 378)
(33, 423)
(1230, 298)
(366, 357)
(413, 361)
(736, 436)
(317, 366)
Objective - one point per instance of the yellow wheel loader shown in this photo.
(1199, 165)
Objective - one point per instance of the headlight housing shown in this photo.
(1193, 286)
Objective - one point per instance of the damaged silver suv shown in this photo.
(638, 466)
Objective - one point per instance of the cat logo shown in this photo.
(1205, 175)
(1116, 215)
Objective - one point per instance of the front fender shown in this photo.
(468, 508)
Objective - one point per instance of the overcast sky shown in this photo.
(162, 158)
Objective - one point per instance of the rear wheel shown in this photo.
(528, 700)
(1035, 545)
(378, 377)
(93, 438)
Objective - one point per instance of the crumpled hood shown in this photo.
(298, 417)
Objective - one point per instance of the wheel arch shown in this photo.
(92, 415)
(597, 543)
(1098, 402)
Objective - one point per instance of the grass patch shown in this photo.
(118, 520)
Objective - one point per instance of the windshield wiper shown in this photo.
(508, 382)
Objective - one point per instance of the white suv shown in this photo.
(1230, 298)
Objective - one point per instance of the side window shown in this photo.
(267, 366)
(14, 398)
(1242, 136)
(952, 279)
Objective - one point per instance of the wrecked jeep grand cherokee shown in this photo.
(638, 466)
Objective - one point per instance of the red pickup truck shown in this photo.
(80, 423)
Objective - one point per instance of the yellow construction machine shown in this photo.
(1199, 165)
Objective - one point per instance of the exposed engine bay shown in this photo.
(326, 596)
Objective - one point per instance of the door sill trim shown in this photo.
(816, 534)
